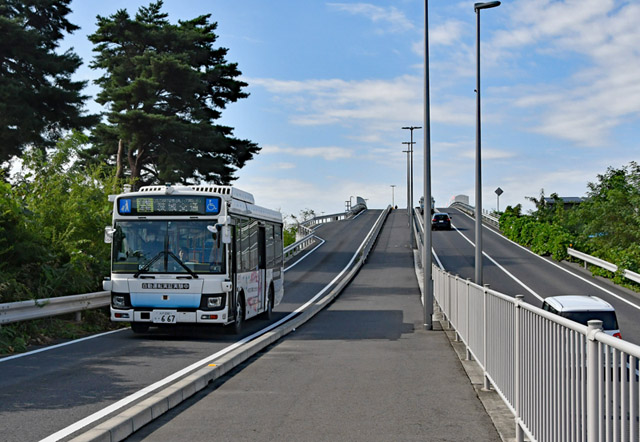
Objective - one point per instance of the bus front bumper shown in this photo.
(168, 316)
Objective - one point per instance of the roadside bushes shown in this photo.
(543, 238)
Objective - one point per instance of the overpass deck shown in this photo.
(363, 369)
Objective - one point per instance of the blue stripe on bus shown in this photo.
(174, 300)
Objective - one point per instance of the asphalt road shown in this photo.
(363, 369)
(533, 276)
(45, 392)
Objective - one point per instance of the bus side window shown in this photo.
(244, 245)
(253, 249)
(269, 245)
(277, 233)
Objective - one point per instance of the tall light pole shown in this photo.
(477, 8)
(393, 201)
(409, 151)
(426, 240)
(411, 129)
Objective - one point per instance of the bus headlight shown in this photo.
(119, 301)
(214, 301)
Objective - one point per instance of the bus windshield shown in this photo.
(167, 247)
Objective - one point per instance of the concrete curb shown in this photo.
(497, 410)
(132, 419)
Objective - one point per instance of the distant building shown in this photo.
(568, 201)
(459, 199)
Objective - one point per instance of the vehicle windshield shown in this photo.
(608, 318)
(167, 247)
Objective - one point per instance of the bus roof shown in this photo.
(239, 201)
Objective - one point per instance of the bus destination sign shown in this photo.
(150, 205)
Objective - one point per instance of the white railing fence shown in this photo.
(562, 381)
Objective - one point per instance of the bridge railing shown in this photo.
(471, 211)
(560, 379)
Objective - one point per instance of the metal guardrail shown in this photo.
(561, 380)
(42, 308)
(298, 246)
(471, 211)
(603, 264)
(325, 219)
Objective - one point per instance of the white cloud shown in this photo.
(374, 105)
(488, 154)
(600, 96)
(394, 19)
(447, 33)
(328, 153)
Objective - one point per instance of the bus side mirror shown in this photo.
(226, 234)
(108, 234)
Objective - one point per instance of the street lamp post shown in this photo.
(478, 270)
(409, 151)
(411, 129)
(426, 239)
(393, 201)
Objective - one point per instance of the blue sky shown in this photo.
(332, 83)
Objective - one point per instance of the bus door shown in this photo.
(262, 267)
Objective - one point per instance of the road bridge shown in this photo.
(363, 364)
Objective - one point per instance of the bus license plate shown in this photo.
(164, 316)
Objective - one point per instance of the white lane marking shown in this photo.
(307, 254)
(135, 396)
(609, 292)
(526, 287)
(8, 358)
(435, 255)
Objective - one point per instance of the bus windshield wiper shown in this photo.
(183, 265)
(146, 267)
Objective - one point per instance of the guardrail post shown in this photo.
(516, 369)
(486, 384)
(457, 316)
(469, 355)
(78, 316)
(594, 327)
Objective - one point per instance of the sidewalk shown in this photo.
(364, 369)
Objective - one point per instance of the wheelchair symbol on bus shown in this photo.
(125, 206)
(212, 205)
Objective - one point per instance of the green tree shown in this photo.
(57, 211)
(166, 85)
(611, 213)
(38, 100)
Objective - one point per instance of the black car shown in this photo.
(441, 221)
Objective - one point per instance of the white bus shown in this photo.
(193, 254)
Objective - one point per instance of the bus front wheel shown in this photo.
(268, 313)
(237, 325)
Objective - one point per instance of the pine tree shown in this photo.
(165, 86)
(38, 100)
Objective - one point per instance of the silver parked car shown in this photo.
(583, 308)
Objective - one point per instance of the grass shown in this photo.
(28, 335)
